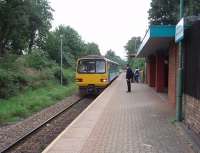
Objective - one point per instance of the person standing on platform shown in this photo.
(129, 77)
(137, 75)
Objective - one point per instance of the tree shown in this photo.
(73, 45)
(72, 41)
(132, 45)
(166, 12)
(193, 7)
(92, 48)
(22, 23)
(39, 22)
(12, 24)
(110, 54)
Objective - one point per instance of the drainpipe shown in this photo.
(191, 9)
(180, 74)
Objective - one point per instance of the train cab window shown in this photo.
(86, 66)
(100, 66)
(91, 66)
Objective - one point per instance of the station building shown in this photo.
(160, 51)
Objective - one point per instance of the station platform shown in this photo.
(121, 122)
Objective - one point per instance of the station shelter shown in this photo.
(160, 51)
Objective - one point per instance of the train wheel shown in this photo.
(82, 92)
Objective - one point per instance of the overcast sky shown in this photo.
(109, 23)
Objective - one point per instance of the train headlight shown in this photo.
(79, 80)
(103, 80)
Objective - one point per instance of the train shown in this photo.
(94, 73)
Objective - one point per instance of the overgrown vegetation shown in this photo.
(73, 46)
(137, 63)
(23, 105)
(28, 71)
(110, 54)
(131, 47)
(30, 58)
(29, 83)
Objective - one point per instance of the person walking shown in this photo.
(137, 75)
(129, 76)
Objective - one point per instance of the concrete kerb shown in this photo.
(73, 122)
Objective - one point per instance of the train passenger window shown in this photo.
(100, 66)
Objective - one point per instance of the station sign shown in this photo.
(179, 31)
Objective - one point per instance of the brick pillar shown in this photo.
(145, 73)
(160, 73)
(173, 65)
(151, 69)
(148, 73)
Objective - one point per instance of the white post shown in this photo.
(135, 44)
(61, 59)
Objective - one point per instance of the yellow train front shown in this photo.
(94, 73)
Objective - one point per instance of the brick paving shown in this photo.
(136, 122)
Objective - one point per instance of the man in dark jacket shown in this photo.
(129, 76)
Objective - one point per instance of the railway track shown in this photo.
(20, 145)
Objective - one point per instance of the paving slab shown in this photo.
(119, 122)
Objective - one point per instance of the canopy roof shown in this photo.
(157, 39)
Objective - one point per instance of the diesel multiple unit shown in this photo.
(94, 73)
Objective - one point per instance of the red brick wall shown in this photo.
(160, 73)
(191, 78)
(151, 69)
(192, 113)
(148, 73)
(173, 66)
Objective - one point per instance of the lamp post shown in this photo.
(180, 73)
(135, 43)
(61, 58)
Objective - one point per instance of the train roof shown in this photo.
(97, 57)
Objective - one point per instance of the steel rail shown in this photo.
(20, 139)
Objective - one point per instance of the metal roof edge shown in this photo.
(162, 31)
(144, 40)
(157, 31)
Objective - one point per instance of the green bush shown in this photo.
(58, 77)
(69, 74)
(19, 73)
(11, 83)
(25, 104)
(137, 63)
(38, 60)
(8, 62)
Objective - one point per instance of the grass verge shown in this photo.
(31, 101)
